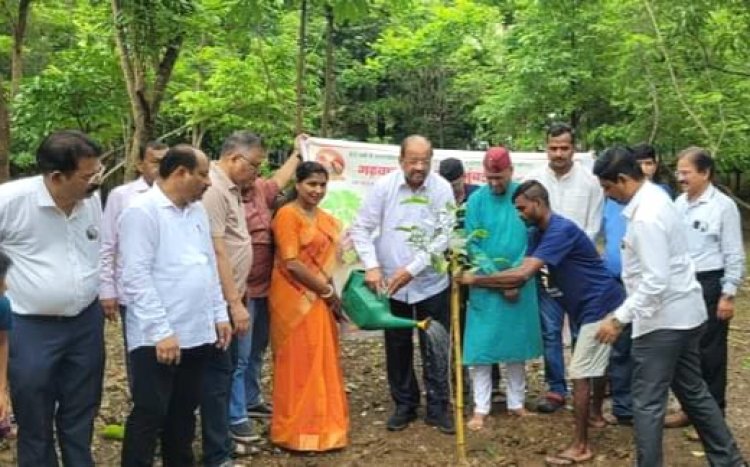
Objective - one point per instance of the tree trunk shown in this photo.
(301, 67)
(145, 100)
(4, 135)
(330, 76)
(19, 32)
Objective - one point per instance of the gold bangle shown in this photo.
(329, 293)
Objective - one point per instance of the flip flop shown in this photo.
(564, 459)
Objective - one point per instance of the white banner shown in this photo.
(354, 166)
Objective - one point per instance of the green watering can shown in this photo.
(369, 310)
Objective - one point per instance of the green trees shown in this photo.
(461, 72)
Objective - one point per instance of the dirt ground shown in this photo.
(506, 442)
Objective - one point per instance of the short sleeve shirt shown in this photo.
(589, 290)
(5, 313)
(223, 203)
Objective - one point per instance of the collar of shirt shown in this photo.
(629, 211)
(222, 180)
(140, 185)
(422, 188)
(551, 173)
(43, 195)
(163, 201)
(44, 198)
(704, 198)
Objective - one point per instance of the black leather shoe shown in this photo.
(443, 421)
(401, 419)
(550, 403)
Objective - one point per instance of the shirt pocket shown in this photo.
(574, 204)
(703, 234)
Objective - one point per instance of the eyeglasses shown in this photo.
(255, 166)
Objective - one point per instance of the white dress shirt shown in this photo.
(383, 212)
(55, 257)
(714, 235)
(169, 273)
(111, 265)
(658, 272)
(576, 195)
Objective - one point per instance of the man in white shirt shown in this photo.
(49, 227)
(714, 235)
(176, 311)
(666, 309)
(416, 289)
(110, 293)
(574, 193)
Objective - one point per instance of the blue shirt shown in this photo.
(5, 314)
(613, 225)
(589, 290)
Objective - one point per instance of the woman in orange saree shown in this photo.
(310, 411)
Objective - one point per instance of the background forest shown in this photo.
(465, 73)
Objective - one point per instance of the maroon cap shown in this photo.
(496, 159)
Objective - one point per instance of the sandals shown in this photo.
(563, 458)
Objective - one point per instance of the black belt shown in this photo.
(55, 318)
(708, 275)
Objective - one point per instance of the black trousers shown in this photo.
(671, 358)
(55, 370)
(399, 355)
(713, 346)
(164, 401)
(217, 387)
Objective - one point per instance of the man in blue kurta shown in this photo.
(502, 326)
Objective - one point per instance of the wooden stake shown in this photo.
(459, 389)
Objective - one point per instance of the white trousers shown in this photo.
(515, 388)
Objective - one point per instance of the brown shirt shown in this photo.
(258, 204)
(223, 203)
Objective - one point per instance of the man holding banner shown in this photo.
(415, 288)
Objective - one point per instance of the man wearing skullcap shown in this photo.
(502, 326)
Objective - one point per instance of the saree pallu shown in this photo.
(310, 411)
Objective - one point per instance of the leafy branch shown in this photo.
(442, 224)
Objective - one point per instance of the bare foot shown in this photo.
(597, 422)
(477, 422)
(570, 456)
